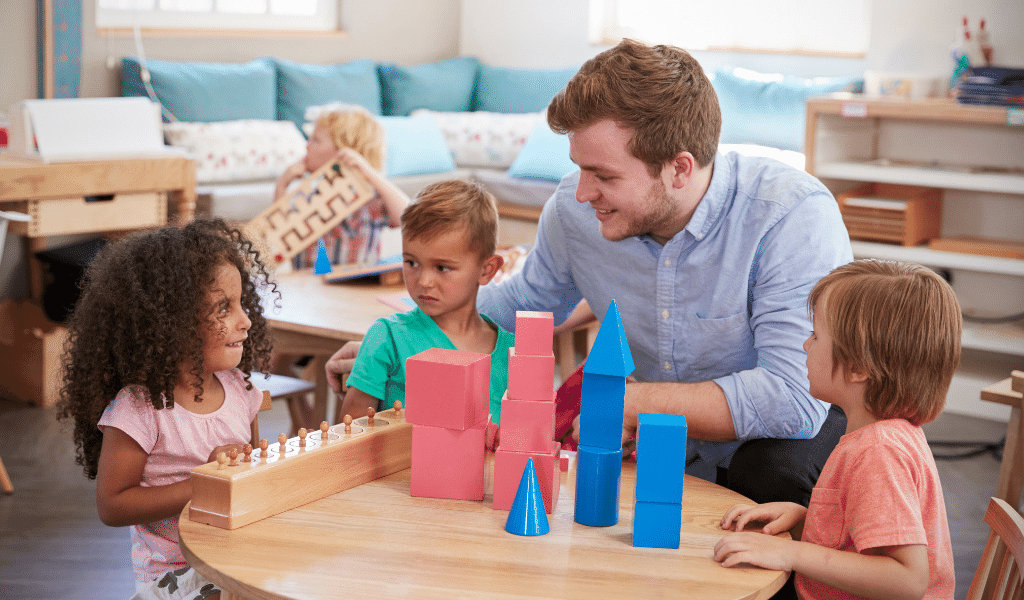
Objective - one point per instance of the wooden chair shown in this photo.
(1007, 541)
(290, 389)
(5, 216)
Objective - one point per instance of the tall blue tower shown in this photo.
(602, 403)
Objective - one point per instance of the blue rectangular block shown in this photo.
(656, 524)
(660, 457)
(602, 403)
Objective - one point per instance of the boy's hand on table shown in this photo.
(777, 516)
(765, 551)
(341, 363)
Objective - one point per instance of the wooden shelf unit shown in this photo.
(973, 153)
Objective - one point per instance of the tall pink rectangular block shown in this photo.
(448, 463)
(534, 332)
(447, 388)
(526, 426)
(508, 471)
(531, 376)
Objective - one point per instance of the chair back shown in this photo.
(266, 405)
(1006, 547)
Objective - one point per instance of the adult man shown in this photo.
(709, 257)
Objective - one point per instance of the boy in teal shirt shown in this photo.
(449, 238)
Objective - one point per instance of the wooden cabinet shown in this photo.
(975, 156)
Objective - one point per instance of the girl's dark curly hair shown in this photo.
(140, 316)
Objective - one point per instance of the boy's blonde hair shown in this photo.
(899, 324)
(446, 205)
(356, 128)
(660, 92)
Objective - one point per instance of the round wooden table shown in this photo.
(376, 541)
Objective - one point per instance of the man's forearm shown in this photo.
(703, 404)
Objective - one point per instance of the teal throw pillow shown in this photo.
(415, 146)
(300, 86)
(545, 155)
(505, 90)
(445, 86)
(198, 92)
(769, 108)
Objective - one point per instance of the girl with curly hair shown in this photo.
(163, 340)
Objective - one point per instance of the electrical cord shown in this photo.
(144, 74)
(976, 449)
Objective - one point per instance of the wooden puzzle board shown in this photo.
(233, 496)
(299, 218)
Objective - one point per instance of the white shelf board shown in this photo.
(939, 258)
(1000, 183)
(1004, 338)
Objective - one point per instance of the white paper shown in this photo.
(883, 203)
(82, 128)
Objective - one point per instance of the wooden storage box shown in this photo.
(887, 212)
(86, 214)
(30, 353)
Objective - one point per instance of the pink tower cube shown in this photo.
(447, 388)
(448, 463)
(526, 426)
(508, 470)
(534, 333)
(531, 376)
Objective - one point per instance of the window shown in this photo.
(263, 15)
(792, 26)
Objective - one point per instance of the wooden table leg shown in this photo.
(1011, 473)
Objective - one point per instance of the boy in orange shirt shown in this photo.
(885, 344)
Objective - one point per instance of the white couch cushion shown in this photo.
(238, 150)
(484, 139)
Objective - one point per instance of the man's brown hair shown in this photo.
(660, 92)
(899, 324)
(452, 204)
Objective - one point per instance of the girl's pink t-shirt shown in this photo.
(177, 441)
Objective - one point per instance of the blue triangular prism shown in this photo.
(323, 264)
(610, 353)
(527, 516)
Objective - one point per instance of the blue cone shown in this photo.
(323, 264)
(527, 516)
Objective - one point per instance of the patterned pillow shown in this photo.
(484, 139)
(238, 150)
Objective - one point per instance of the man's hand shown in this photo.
(340, 363)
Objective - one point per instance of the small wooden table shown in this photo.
(317, 318)
(1011, 473)
(93, 196)
(376, 541)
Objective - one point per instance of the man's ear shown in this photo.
(682, 167)
(490, 268)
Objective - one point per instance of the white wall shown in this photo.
(906, 36)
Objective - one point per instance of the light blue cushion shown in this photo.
(506, 90)
(444, 86)
(770, 109)
(300, 86)
(545, 155)
(205, 92)
(415, 147)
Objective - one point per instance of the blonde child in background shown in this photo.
(358, 141)
(162, 343)
(449, 238)
(885, 344)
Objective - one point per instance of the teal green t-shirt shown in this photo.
(380, 366)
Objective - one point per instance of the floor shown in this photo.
(53, 546)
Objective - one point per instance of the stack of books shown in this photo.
(991, 85)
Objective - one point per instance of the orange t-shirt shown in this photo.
(880, 488)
